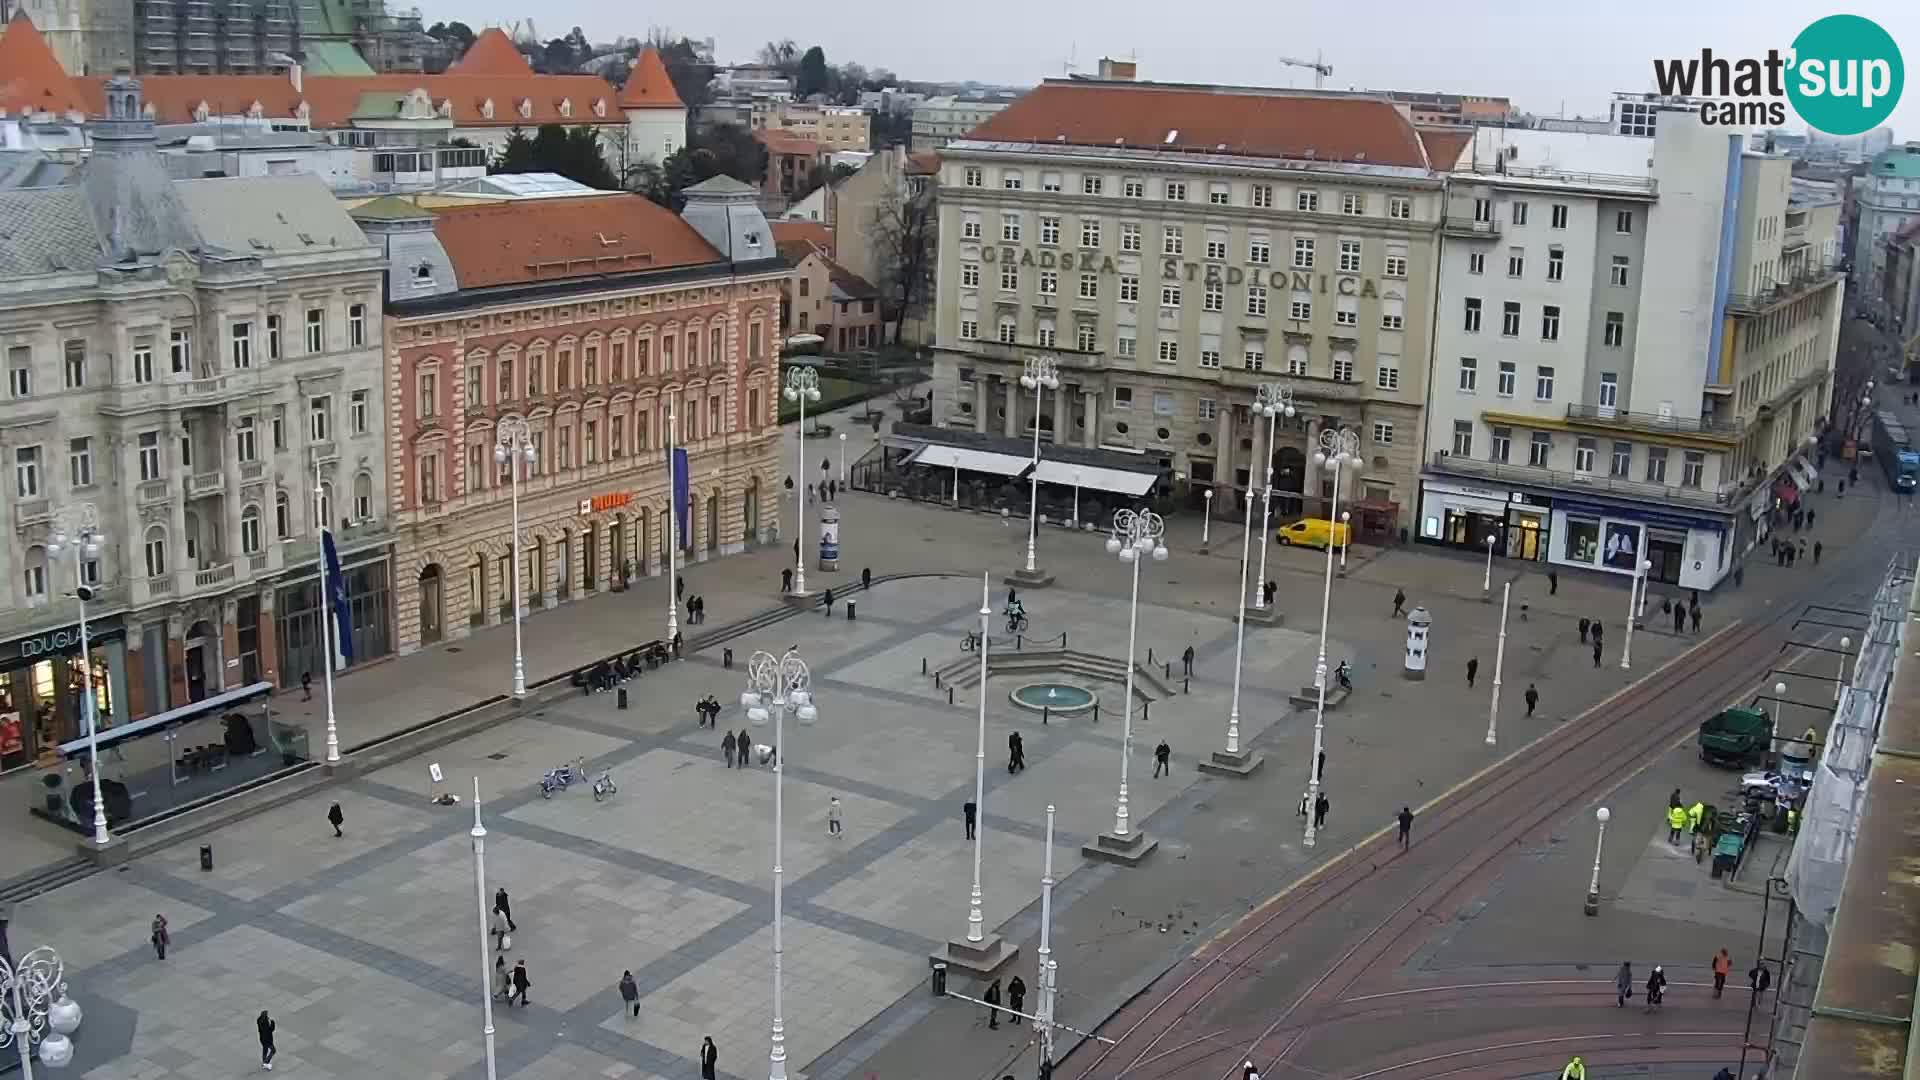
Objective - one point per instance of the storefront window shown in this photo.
(298, 612)
(1583, 540)
(42, 702)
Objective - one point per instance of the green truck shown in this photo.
(1736, 737)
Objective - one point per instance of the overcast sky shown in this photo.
(1540, 53)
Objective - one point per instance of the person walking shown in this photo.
(1186, 662)
(866, 578)
(1473, 671)
(1693, 612)
(1405, 817)
(970, 812)
(680, 584)
(833, 816)
(1596, 652)
(1759, 978)
(306, 685)
(630, 992)
(1810, 516)
(1016, 753)
(1272, 587)
(1676, 824)
(992, 998)
(502, 983)
(709, 1059)
(160, 938)
(1586, 627)
(1533, 698)
(1623, 984)
(1575, 1070)
(827, 600)
(1399, 601)
(1553, 583)
(1249, 1072)
(335, 818)
(1162, 759)
(1598, 631)
(1722, 967)
(505, 907)
(1817, 548)
(1679, 618)
(726, 747)
(1016, 1000)
(1656, 988)
(1320, 767)
(266, 1025)
(1302, 811)
(497, 926)
(744, 748)
(521, 984)
(1320, 807)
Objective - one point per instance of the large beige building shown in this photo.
(1174, 247)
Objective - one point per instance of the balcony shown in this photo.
(1787, 291)
(1465, 226)
(1722, 498)
(218, 574)
(1310, 388)
(203, 484)
(32, 512)
(154, 492)
(1606, 416)
(1612, 182)
(160, 586)
(1068, 359)
(172, 392)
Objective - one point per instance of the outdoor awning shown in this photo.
(1119, 481)
(184, 714)
(948, 457)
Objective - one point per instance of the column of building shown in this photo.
(980, 402)
(1223, 478)
(1011, 424)
(231, 499)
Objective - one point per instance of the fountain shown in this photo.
(1053, 697)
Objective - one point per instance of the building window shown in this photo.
(149, 456)
(1558, 218)
(1483, 210)
(273, 337)
(1349, 256)
(1540, 450)
(1549, 323)
(969, 279)
(1619, 273)
(1009, 330)
(1089, 287)
(1656, 464)
(1543, 383)
(1210, 358)
(1169, 351)
(1090, 232)
(1463, 438)
(180, 351)
(357, 404)
(972, 178)
(1123, 398)
(1622, 460)
(1169, 296)
(1050, 182)
(241, 346)
(1345, 313)
(1091, 184)
(250, 531)
(1011, 181)
(1162, 404)
(1009, 277)
(1473, 315)
(1303, 253)
(1342, 367)
(503, 391)
(1469, 374)
(282, 516)
(1129, 289)
(1218, 194)
(476, 386)
(1396, 266)
(363, 490)
(1393, 314)
(427, 402)
(1043, 335)
(1214, 298)
(1510, 319)
(1609, 389)
(1010, 228)
(969, 330)
(1259, 249)
(1133, 188)
(245, 445)
(1297, 360)
(76, 365)
(1353, 204)
(316, 330)
(143, 362)
(1623, 222)
(1477, 262)
(1087, 337)
(1556, 264)
(1176, 191)
(1519, 213)
(969, 230)
(1501, 449)
(1254, 356)
(1615, 332)
(20, 371)
(1382, 433)
(1400, 207)
(156, 551)
(1124, 343)
(1299, 307)
(1505, 381)
(320, 419)
(1173, 240)
(1307, 202)
(1261, 196)
(1583, 454)
(1386, 372)
(80, 462)
(1516, 262)
(1693, 468)
(26, 472)
(1216, 246)
(1256, 299)
(430, 476)
(1129, 236)
(1049, 230)
(1049, 283)
(1209, 409)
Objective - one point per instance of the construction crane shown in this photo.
(1321, 69)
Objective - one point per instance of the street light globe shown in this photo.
(1319, 459)
(56, 1051)
(1207, 494)
(1129, 553)
(1346, 515)
(792, 394)
(1646, 564)
(757, 716)
(1160, 553)
(807, 714)
(64, 1015)
(1779, 688)
(749, 700)
(1846, 642)
(500, 453)
(1602, 815)
(799, 698)
(1113, 545)
(1029, 381)
(529, 453)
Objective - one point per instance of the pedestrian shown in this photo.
(1598, 630)
(743, 746)
(160, 938)
(1585, 626)
(502, 984)
(335, 818)
(970, 812)
(726, 747)
(1272, 588)
(866, 577)
(679, 586)
(1843, 490)
(1405, 817)
(1302, 811)
(1016, 1000)
(1759, 978)
(1791, 555)
(1817, 546)
(1553, 583)
(630, 992)
(1656, 988)
(497, 926)
(833, 816)
(828, 600)
(1533, 698)
(1186, 662)
(1320, 767)
(521, 984)
(1320, 807)
(786, 580)
(1810, 516)
(1674, 799)
(1016, 753)
(1679, 618)
(1722, 965)
(709, 1059)
(1473, 670)
(505, 907)
(1399, 601)
(266, 1025)
(1693, 612)
(1575, 1070)
(1623, 984)
(306, 685)
(1162, 759)
(1248, 1072)
(992, 998)
(1596, 652)
(1739, 575)
(1676, 823)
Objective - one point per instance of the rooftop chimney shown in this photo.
(1116, 70)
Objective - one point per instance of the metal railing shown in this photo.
(1641, 421)
(1465, 225)
(1798, 286)
(1724, 495)
(213, 575)
(1497, 168)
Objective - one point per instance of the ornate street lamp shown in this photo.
(76, 532)
(512, 445)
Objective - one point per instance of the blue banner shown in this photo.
(336, 587)
(682, 497)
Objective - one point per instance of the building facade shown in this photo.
(1886, 200)
(1635, 338)
(1173, 247)
(616, 332)
(938, 121)
(211, 404)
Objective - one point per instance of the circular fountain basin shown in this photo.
(1053, 697)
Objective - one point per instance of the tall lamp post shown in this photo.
(1135, 533)
(1840, 677)
(33, 997)
(1593, 886)
(1346, 538)
(673, 533)
(1779, 691)
(322, 511)
(1078, 475)
(1272, 400)
(976, 923)
(1234, 762)
(1499, 663)
(843, 459)
(1486, 581)
(1206, 517)
(1049, 969)
(1339, 450)
(76, 531)
(774, 685)
(803, 385)
(479, 834)
(1042, 373)
(513, 445)
(1633, 607)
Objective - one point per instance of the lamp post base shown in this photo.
(1265, 616)
(1240, 765)
(1593, 904)
(1037, 578)
(1129, 850)
(980, 959)
(801, 599)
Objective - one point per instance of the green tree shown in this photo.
(721, 150)
(812, 77)
(516, 156)
(559, 57)
(574, 153)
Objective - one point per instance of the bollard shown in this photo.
(1019, 642)
(939, 980)
(1045, 711)
(850, 607)
(726, 658)
(1096, 712)
(923, 665)
(1150, 660)
(1169, 669)
(623, 697)
(936, 680)
(206, 857)
(1146, 711)
(949, 695)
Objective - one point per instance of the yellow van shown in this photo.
(1313, 532)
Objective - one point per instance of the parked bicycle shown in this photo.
(558, 779)
(603, 786)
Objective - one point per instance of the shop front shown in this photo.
(1692, 553)
(1529, 526)
(1462, 515)
(41, 688)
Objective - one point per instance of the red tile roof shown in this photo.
(851, 283)
(333, 99)
(492, 53)
(31, 80)
(511, 243)
(1210, 119)
(785, 142)
(804, 232)
(648, 84)
(1444, 145)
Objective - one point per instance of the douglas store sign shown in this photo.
(62, 641)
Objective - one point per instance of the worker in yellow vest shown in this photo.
(1676, 824)
(1575, 1070)
(1793, 821)
(1695, 814)
(1812, 739)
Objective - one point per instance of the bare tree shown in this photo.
(902, 232)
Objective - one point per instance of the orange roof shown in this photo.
(804, 232)
(1444, 146)
(1209, 119)
(334, 98)
(648, 84)
(492, 53)
(786, 142)
(514, 243)
(31, 80)
(925, 163)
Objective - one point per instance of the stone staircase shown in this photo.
(963, 672)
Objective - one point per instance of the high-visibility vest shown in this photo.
(1694, 814)
(1676, 817)
(1575, 1070)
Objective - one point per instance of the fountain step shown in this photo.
(1240, 765)
(1130, 850)
(964, 673)
(1309, 697)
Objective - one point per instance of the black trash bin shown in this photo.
(623, 697)
(206, 857)
(850, 606)
(939, 980)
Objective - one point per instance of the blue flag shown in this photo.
(682, 497)
(336, 586)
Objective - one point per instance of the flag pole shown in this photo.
(326, 614)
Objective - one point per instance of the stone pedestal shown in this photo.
(981, 959)
(802, 600)
(1593, 904)
(1021, 579)
(1240, 765)
(1127, 851)
(1265, 616)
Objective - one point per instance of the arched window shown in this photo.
(156, 551)
(34, 577)
(363, 496)
(250, 530)
(282, 516)
(326, 504)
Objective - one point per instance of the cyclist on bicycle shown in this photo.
(1016, 616)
